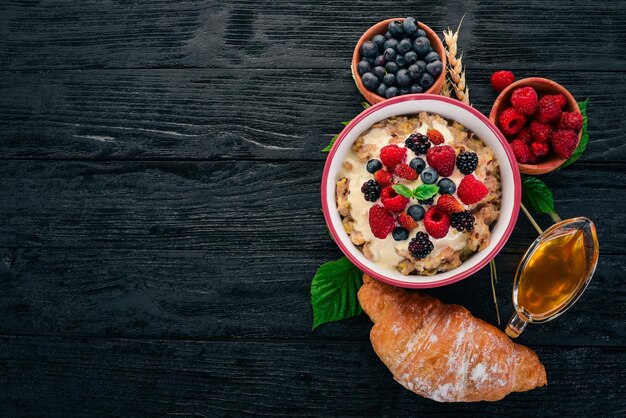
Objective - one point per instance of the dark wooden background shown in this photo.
(160, 219)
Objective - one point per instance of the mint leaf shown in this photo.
(402, 190)
(330, 144)
(537, 195)
(345, 123)
(584, 139)
(365, 105)
(425, 191)
(333, 292)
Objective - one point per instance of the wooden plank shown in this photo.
(251, 114)
(76, 376)
(228, 205)
(243, 294)
(285, 34)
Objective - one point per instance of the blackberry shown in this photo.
(417, 143)
(371, 190)
(428, 202)
(467, 162)
(462, 221)
(420, 246)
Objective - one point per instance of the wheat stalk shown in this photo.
(455, 70)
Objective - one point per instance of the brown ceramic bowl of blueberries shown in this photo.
(398, 56)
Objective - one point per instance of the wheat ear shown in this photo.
(455, 70)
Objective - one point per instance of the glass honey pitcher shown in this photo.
(553, 273)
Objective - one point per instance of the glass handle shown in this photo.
(515, 326)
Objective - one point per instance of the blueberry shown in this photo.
(434, 68)
(388, 35)
(421, 46)
(429, 175)
(389, 54)
(446, 186)
(432, 56)
(373, 166)
(404, 46)
(391, 43)
(391, 92)
(381, 90)
(380, 61)
(422, 65)
(400, 234)
(379, 72)
(369, 49)
(418, 164)
(379, 40)
(404, 90)
(414, 71)
(392, 67)
(370, 81)
(370, 60)
(395, 27)
(363, 67)
(416, 212)
(389, 79)
(410, 57)
(400, 60)
(409, 25)
(416, 88)
(420, 32)
(403, 79)
(426, 80)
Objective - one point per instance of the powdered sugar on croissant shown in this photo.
(441, 351)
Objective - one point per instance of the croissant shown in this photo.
(441, 351)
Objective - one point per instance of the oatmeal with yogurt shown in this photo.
(419, 194)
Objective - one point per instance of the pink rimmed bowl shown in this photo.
(452, 110)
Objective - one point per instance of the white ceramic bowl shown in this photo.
(452, 110)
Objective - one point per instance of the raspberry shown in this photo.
(540, 149)
(540, 131)
(371, 190)
(392, 201)
(525, 135)
(560, 100)
(564, 142)
(406, 221)
(392, 155)
(381, 222)
(521, 151)
(524, 100)
(549, 109)
(436, 222)
(511, 121)
(448, 204)
(405, 172)
(417, 143)
(571, 120)
(532, 158)
(383, 177)
(501, 80)
(435, 136)
(471, 190)
(467, 162)
(420, 246)
(442, 159)
(462, 221)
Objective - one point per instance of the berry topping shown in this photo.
(564, 142)
(420, 246)
(435, 136)
(501, 80)
(426, 202)
(462, 221)
(383, 177)
(525, 135)
(392, 201)
(521, 151)
(371, 190)
(560, 100)
(446, 186)
(400, 234)
(571, 120)
(540, 131)
(373, 166)
(441, 158)
(539, 149)
(436, 222)
(511, 121)
(381, 222)
(524, 100)
(448, 204)
(549, 109)
(467, 162)
(429, 175)
(417, 143)
(407, 221)
(471, 190)
(405, 172)
(418, 164)
(416, 212)
(392, 155)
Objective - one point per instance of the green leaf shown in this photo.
(330, 144)
(365, 105)
(333, 292)
(345, 122)
(537, 195)
(425, 191)
(584, 139)
(402, 190)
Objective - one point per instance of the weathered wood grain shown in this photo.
(154, 377)
(208, 295)
(286, 34)
(251, 114)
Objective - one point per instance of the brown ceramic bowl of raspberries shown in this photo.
(542, 122)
